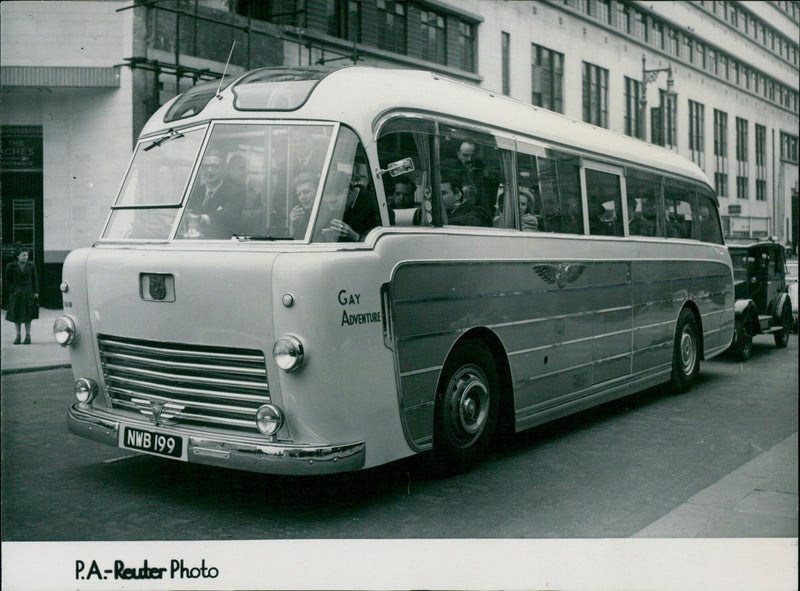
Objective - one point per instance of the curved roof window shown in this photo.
(277, 89)
(194, 100)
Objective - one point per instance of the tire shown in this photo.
(685, 352)
(744, 344)
(467, 407)
(782, 337)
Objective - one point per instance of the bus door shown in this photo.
(612, 317)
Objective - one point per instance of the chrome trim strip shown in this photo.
(539, 376)
(196, 379)
(253, 454)
(254, 371)
(421, 371)
(179, 390)
(227, 395)
(186, 352)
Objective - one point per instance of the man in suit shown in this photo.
(216, 203)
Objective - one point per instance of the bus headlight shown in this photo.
(85, 390)
(269, 419)
(64, 330)
(288, 353)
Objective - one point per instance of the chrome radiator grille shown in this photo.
(196, 384)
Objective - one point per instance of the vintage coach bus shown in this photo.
(312, 270)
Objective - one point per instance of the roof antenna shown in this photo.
(225, 70)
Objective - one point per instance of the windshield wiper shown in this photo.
(170, 135)
(245, 237)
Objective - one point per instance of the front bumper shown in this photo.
(240, 453)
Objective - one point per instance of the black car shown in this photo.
(762, 295)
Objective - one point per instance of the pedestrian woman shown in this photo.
(22, 287)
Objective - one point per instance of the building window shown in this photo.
(761, 163)
(696, 133)
(663, 124)
(721, 153)
(434, 38)
(547, 77)
(595, 95)
(467, 39)
(633, 96)
(788, 147)
(742, 173)
(344, 19)
(506, 66)
(392, 26)
(282, 12)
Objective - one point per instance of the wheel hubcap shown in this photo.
(466, 406)
(688, 351)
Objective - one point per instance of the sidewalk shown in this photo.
(42, 353)
(757, 500)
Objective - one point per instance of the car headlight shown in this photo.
(64, 330)
(288, 353)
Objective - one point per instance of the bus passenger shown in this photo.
(460, 211)
(351, 210)
(216, 203)
(554, 219)
(528, 221)
(644, 224)
(305, 187)
(468, 173)
(402, 197)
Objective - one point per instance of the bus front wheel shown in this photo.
(467, 407)
(685, 352)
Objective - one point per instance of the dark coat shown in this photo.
(20, 285)
(224, 209)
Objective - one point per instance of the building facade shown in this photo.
(716, 81)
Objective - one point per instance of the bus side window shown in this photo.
(643, 192)
(560, 188)
(530, 202)
(679, 204)
(708, 217)
(399, 139)
(471, 166)
(605, 203)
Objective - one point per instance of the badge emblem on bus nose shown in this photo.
(560, 274)
(158, 287)
(157, 409)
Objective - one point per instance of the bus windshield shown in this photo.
(250, 179)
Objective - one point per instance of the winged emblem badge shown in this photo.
(561, 273)
(158, 410)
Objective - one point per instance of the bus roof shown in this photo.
(359, 95)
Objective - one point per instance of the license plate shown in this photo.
(153, 442)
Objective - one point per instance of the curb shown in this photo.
(14, 370)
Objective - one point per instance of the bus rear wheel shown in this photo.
(467, 407)
(685, 352)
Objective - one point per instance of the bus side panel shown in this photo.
(346, 390)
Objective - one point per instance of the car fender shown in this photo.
(781, 301)
(745, 311)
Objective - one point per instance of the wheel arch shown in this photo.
(692, 307)
(498, 352)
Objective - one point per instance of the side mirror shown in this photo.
(400, 167)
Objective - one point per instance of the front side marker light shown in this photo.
(288, 353)
(85, 391)
(269, 419)
(64, 330)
